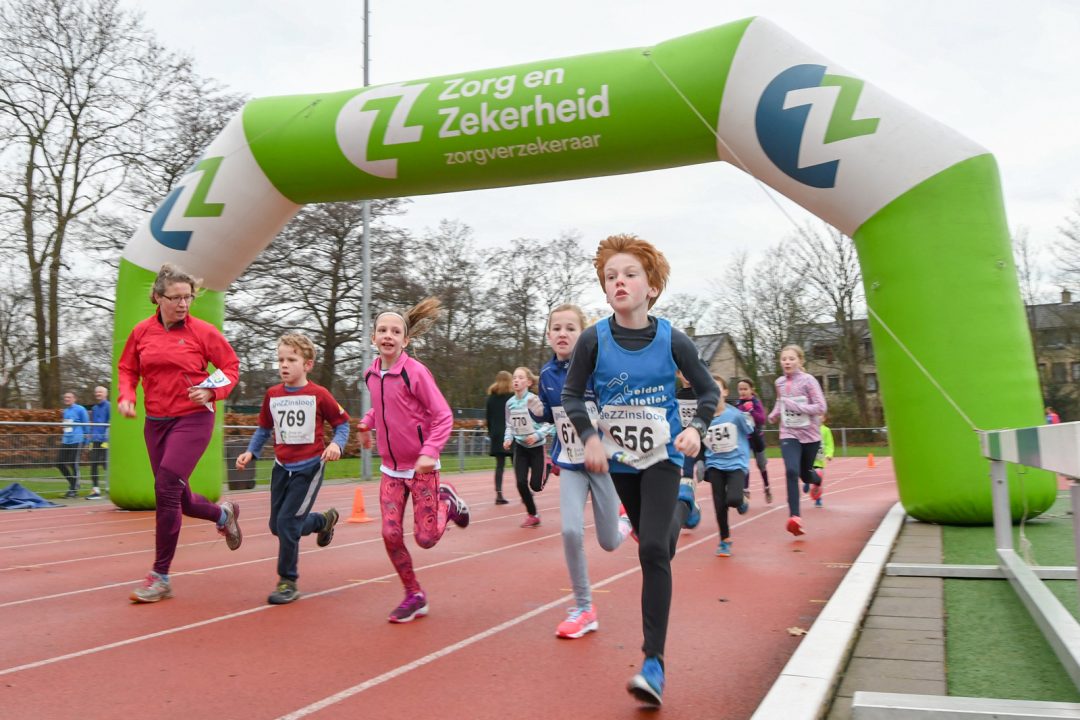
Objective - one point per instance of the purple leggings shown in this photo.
(175, 446)
(429, 519)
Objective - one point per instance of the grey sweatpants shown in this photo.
(574, 489)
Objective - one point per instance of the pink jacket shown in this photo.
(408, 412)
(800, 385)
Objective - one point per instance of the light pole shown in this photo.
(365, 303)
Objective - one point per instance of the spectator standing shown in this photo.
(71, 442)
(99, 439)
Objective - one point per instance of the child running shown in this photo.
(727, 463)
(526, 436)
(630, 360)
(575, 482)
(295, 409)
(412, 421)
(824, 455)
(693, 465)
(750, 403)
(799, 405)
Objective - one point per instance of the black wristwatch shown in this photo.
(699, 425)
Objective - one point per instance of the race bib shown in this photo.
(793, 419)
(294, 419)
(722, 437)
(635, 435)
(521, 422)
(687, 411)
(68, 425)
(571, 449)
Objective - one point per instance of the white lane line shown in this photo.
(485, 634)
(260, 608)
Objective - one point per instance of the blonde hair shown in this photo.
(798, 352)
(656, 267)
(419, 318)
(569, 307)
(529, 374)
(170, 274)
(300, 343)
(501, 386)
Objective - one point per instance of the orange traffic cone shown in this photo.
(359, 514)
(870, 460)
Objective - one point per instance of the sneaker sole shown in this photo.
(419, 613)
(591, 627)
(239, 533)
(136, 599)
(282, 601)
(643, 691)
(461, 509)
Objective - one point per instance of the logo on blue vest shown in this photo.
(783, 111)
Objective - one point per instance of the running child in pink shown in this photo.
(412, 422)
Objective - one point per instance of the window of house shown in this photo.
(871, 382)
(1057, 373)
(868, 350)
(1076, 372)
(820, 380)
(834, 383)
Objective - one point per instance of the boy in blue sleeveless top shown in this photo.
(630, 359)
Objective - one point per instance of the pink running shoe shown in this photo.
(413, 606)
(578, 622)
(531, 521)
(794, 526)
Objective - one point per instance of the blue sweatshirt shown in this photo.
(727, 443)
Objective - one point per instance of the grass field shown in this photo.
(993, 648)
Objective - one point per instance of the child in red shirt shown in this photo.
(295, 410)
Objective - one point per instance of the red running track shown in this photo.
(74, 647)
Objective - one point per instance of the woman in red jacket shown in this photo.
(169, 352)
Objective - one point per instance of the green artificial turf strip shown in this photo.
(993, 649)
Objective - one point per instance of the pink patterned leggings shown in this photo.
(429, 519)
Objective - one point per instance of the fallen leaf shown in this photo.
(796, 631)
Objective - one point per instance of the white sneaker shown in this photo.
(96, 495)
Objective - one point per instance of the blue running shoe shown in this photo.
(742, 509)
(686, 494)
(648, 685)
(724, 549)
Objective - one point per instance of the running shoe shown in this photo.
(686, 494)
(794, 526)
(285, 593)
(459, 511)
(815, 492)
(648, 685)
(768, 495)
(326, 535)
(742, 509)
(577, 623)
(724, 549)
(531, 521)
(805, 488)
(817, 503)
(625, 527)
(231, 528)
(95, 495)
(154, 588)
(413, 606)
(500, 500)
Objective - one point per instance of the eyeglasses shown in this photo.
(177, 299)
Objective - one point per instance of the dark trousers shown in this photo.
(98, 458)
(798, 463)
(292, 493)
(727, 486)
(500, 463)
(526, 460)
(67, 460)
(175, 446)
(651, 499)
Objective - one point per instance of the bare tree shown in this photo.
(1067, 249)
(566, 271)
(734, 309)
(80, 84)
(515, 297)
(683, 310)
(781, 302)
(830, 268)
(310, 280)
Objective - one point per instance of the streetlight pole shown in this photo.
(365, 304)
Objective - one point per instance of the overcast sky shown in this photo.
(1000, 72)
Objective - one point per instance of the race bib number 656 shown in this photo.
(635, 435)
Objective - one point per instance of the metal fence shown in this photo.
(29, 452)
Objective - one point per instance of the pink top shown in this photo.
(408, 412)
(801, 403)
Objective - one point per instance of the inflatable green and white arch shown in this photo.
(922, 203)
